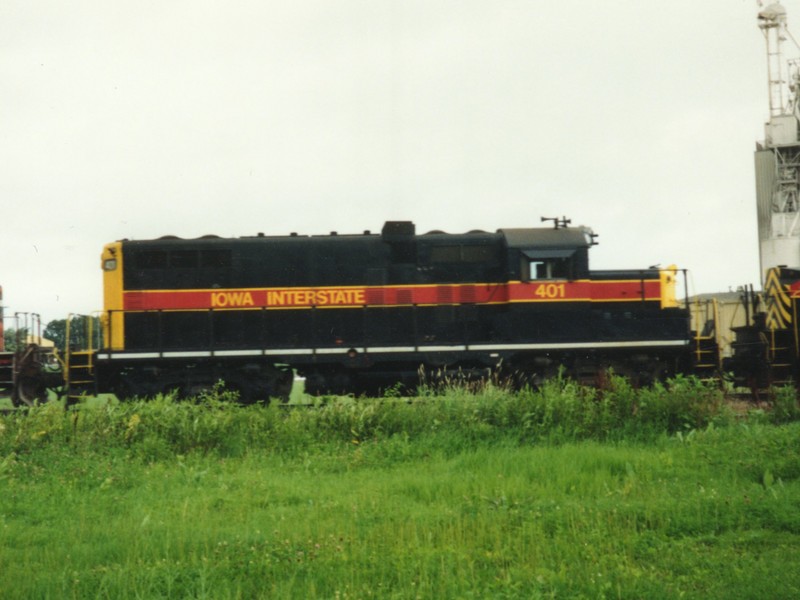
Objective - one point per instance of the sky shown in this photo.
(141, 119)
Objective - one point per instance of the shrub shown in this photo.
(785, 408)
(558, 411)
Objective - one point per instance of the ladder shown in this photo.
(79, 357)
(706, 355)
(782, 361)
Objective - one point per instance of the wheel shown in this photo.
(29, 391)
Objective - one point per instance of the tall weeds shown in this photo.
(559, 411)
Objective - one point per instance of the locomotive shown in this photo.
(364, 313)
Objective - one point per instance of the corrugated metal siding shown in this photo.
(765, 186)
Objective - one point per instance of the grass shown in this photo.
(492, 495)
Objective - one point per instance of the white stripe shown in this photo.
(441, 348)
(577, 345)
(379, 349)
(135, 355)
(337, 350)
(397, 349)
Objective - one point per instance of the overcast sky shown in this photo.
(140, 119)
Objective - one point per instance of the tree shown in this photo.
(80, 328)
(10, 336)
(56, 332)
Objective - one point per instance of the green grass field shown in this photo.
(560, 493)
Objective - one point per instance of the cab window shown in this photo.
(546, 268)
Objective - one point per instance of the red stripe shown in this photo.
(574, 291)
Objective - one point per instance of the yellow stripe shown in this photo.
(395, 287)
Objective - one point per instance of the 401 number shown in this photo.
(550, 291)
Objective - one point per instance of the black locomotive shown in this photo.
(362, 313)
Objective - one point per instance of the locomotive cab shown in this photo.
(546, 254)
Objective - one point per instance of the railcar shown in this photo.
(362, 313)
(28, 368)
(766, 350)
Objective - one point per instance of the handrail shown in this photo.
(88, 343)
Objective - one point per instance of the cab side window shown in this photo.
(545, 268)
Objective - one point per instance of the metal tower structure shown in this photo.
(777, 158)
